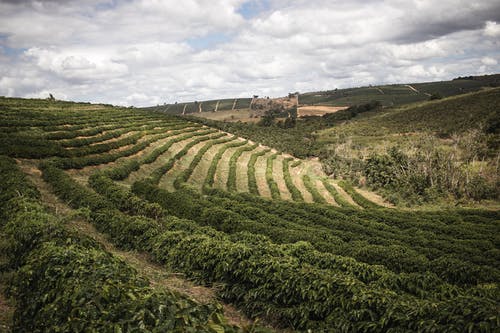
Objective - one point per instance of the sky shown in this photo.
(149, 52)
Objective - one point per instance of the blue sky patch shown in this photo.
(253, 8)
(208, 41)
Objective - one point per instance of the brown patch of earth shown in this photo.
(318, 110)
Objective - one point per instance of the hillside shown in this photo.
(102, 206)
(247, 109)
(455, 139)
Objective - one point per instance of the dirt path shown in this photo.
(260, 175)
(412, 88)
(374, 197)
(324, 192)
(280, 179)
(158, 276)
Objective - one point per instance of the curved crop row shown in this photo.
(336, 195)
(262, 278)
(275, 192)
(317, 197)
(252, 182)
(209, 179)
(67, 282)
(156, 175)
(231, 179)
(139, 126)
(186, 173)
(123, 170)
(358, 198)
(296, 195)
(459, 261)
(81, 162)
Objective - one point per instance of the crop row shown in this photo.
(252, 181)
(358, 198)
(308, 183)
(186, 173)
(156, 175)
(209, 178)
(264, 278)
(35, 147)
(273, 187)
(336, 195)
(66, 282)
(231, 179)
(81, 162)
(121, 130)
(124, 169)
(464, 261)
(296, 195)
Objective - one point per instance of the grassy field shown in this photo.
(397, 94)
(125, 219)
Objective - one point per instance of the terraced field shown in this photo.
(269, 233)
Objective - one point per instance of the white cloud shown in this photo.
(142, 51)
(492, 29)
(489, 61)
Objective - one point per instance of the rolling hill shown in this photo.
(234, 109)
(98, 201)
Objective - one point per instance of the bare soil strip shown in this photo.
(296, 174)
(222, 173)
(180, 165)
(199, 174)
(260, 175)
(374, 197)
(280, 179)
(146, 169)
(241, 170)
(318, 110)
(85, 172)
(344, 194)
(324, 192)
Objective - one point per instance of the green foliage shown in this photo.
(231, 179)
(156, 175)
(273, 187)
(358, 198)
(209, 178)
(296, 195)
(317, 197)
(252, 182)
(65, 282)
(186, 173)
(122, 198)
(336, 195)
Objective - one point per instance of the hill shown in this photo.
(247, 109)
(459, 136)
(102, 206)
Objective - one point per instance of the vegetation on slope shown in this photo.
(300, 265)
(424, 153)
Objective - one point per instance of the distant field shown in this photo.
(321, 110)
(244, 115)
(393, 95)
